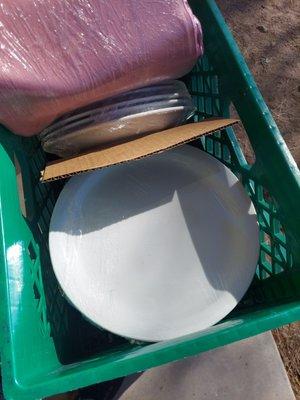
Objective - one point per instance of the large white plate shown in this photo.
(157, 248)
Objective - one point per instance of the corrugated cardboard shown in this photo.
(133, 150)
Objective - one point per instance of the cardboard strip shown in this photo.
(133, 150)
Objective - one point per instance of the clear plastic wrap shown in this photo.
(133, 246)
(59, 55)
(132, 114)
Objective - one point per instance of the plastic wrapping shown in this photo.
(132, 114)
(133, 246)
(59, 55)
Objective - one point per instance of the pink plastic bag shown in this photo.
(58, 55)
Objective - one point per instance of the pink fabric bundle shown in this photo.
(58, 55)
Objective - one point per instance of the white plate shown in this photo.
(124, 128)
(166, 91)
(158, 248)
(105, 114)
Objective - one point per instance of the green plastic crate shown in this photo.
(47, 347)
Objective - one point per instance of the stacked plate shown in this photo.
(155, 249)
(138, 112)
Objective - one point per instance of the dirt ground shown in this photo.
(288, 342)
(268, 33)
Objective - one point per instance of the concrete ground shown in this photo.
(247, 370)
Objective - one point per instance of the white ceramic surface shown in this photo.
(157, 248)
